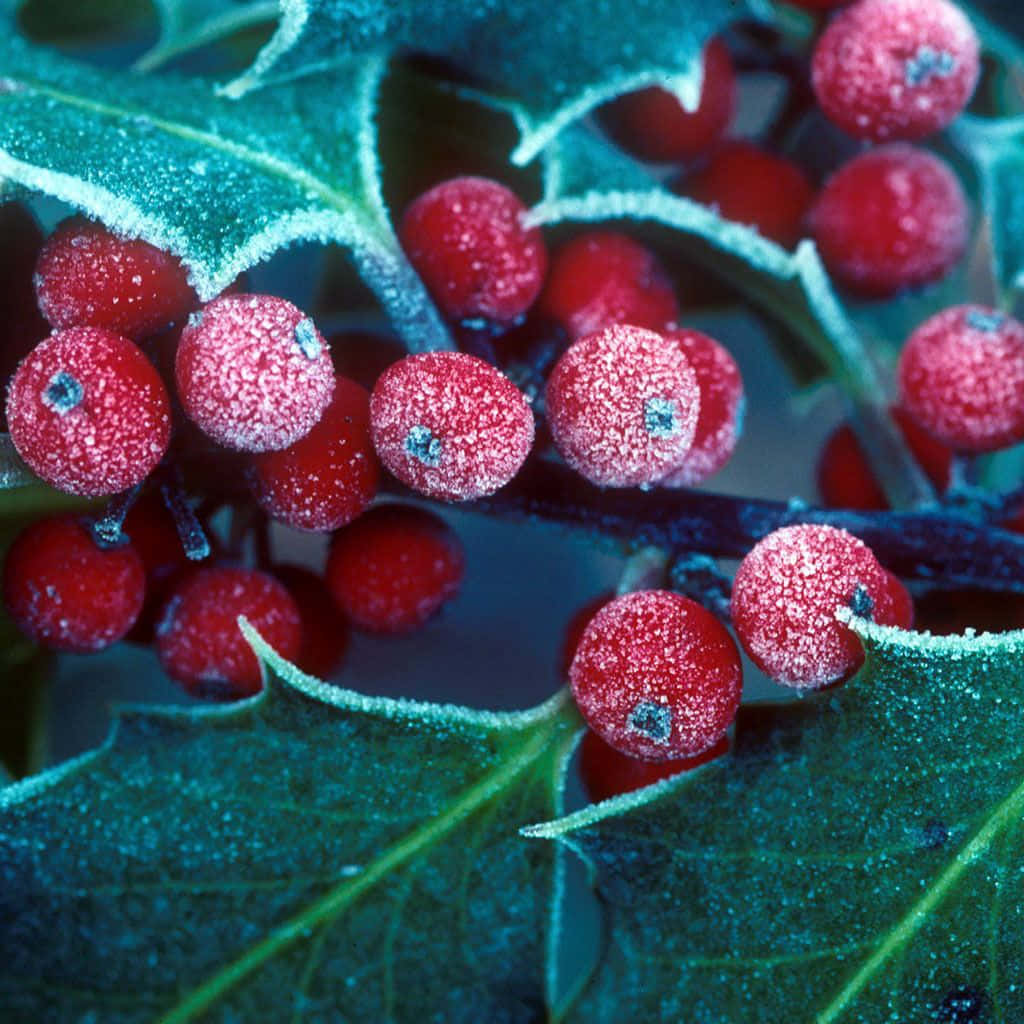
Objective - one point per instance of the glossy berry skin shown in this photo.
(198, 640)
(785, 596)
(961, 376)
(623, 406)
(325, 631)
(466, 240)
(657, 676)
(892, 218)
(450, 425)
(895, 69)
(603, 278)
(327, 478)
(88, 412)
(68, 594)
(393, 568)
(653, 125)
(87, 276)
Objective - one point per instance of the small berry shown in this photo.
(198, 639)
(961, 377)
(623, 406)
(603, 278)
(327, 478)
(574, 631)
(253, 372)
(465, 238)
(68, 594)
(895, 69)
(657, 676)
(88, 412)
(653, 125)
(449, 425)
(325, 632)
(89, 277)
(902, 614)
(393, 568)
(892, 218)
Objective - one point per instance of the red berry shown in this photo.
(749, 185)
(89, 277)
(602, 278)
(327, 478)
(449, 425)
(466, 239)
(892, 218)
(653, 125)
(68, 594)
(720, 419)
(623, 406)
(902, 603)
(253, 372)
(325, 632)
(88, 412)
(961, 377)
(574, 631)
(657, 676)
(394, 567)
(895, 69)
(785, 596)
(198, 639)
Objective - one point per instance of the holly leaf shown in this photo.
(856, 855)
(307, 854)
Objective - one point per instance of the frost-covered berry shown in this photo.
(466, 239)
(961, 377)
(88, 412)
(198, 640)
(623, 406)
(602, 278)
(68, 594)
(87, 276)
(785, 597)
(657, 676)
(720, 419)
(574, 631)
(327, 478)
(892, 218)
(449, 425)
(325, 631)
(253, 372)
(653, 125)
(895, 69)
(393, 568)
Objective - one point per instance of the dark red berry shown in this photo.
(393, 568)
(466, 239)
(325, 631)
(68, 594)
(450, 425)
(87, 276)
(253, 372)
(88, 412)
(574, 631)
(902, 603)
(892, 218)
(657, 676)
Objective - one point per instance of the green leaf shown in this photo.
(854, 859)
(311, 854)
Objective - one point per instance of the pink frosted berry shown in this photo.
(657, 676)
(895, 69)
(786, 594)
(721, 408)
(623, 406)
(88, 412)
(253, 372)
(961, 377)
(450, 425)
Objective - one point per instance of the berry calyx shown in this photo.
(325, 631)
(657, 676)
(88, 412)
(393, 568)
(623, 406)
(68, 594)
(253, 372)
(961, 376)
(466, 240)
(450, 425)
